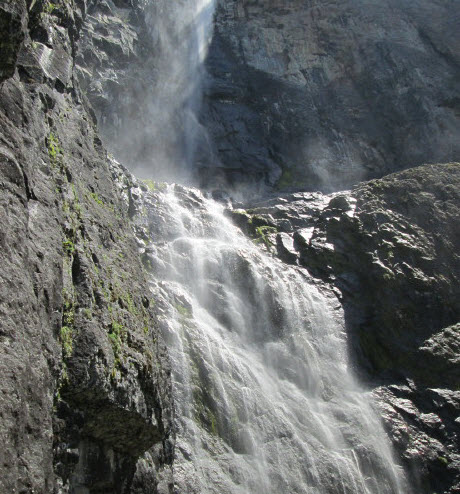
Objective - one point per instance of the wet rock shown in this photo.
(285, 248)
(441, 357)
(390, 248)
(85, 389)
(400, 246)
(240, 217)
(12, 34)
(115, 66)
(422, 426)
(297, 96)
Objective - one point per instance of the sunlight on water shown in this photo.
(265, 402)
(181, 31)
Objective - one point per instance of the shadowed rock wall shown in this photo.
(322, 94)
(300, 94)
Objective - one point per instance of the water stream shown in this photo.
(181, 32)
(265, 403)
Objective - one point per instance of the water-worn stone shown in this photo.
(390, 247)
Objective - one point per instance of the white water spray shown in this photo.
(265, 402)
(181, 31)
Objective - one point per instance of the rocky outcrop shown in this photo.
(317, 96)
(390, 247)
(402, 244)
(321, 95)
(311, 95)
(85, 391)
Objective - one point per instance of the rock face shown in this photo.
(140, 64)
(303, 94)
(116, 69)
(85, 390)
(311, 95)
(390, 247)
(324, 94)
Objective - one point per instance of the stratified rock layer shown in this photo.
(85, 389)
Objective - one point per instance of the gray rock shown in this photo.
(297, 96)
(85, 391)
(85, 388)
(285, 248)
(12, 33)
(390, 249)
(331, 93)
(441, 356)
(116, 69)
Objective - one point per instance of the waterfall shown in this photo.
(180, 31)
(265, 402)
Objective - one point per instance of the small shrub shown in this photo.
(184, 312)
(261, 235)
(50, 7)
(67, 340)
(68, 246)
(286, 179)
(54, 149)
(154, 186)
(116, 334)
(68, 321)
(96, 199)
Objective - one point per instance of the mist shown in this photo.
(158, 133)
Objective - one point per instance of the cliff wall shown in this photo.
(324, 94)
(318, 95)
(85, 391)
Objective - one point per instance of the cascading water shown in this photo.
(180, 32)
(264, 401)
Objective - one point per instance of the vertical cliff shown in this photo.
(317, 95)
(324, 94)
(85, 401)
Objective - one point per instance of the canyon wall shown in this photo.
(324, 94)
(300, 96)
(85, 389)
